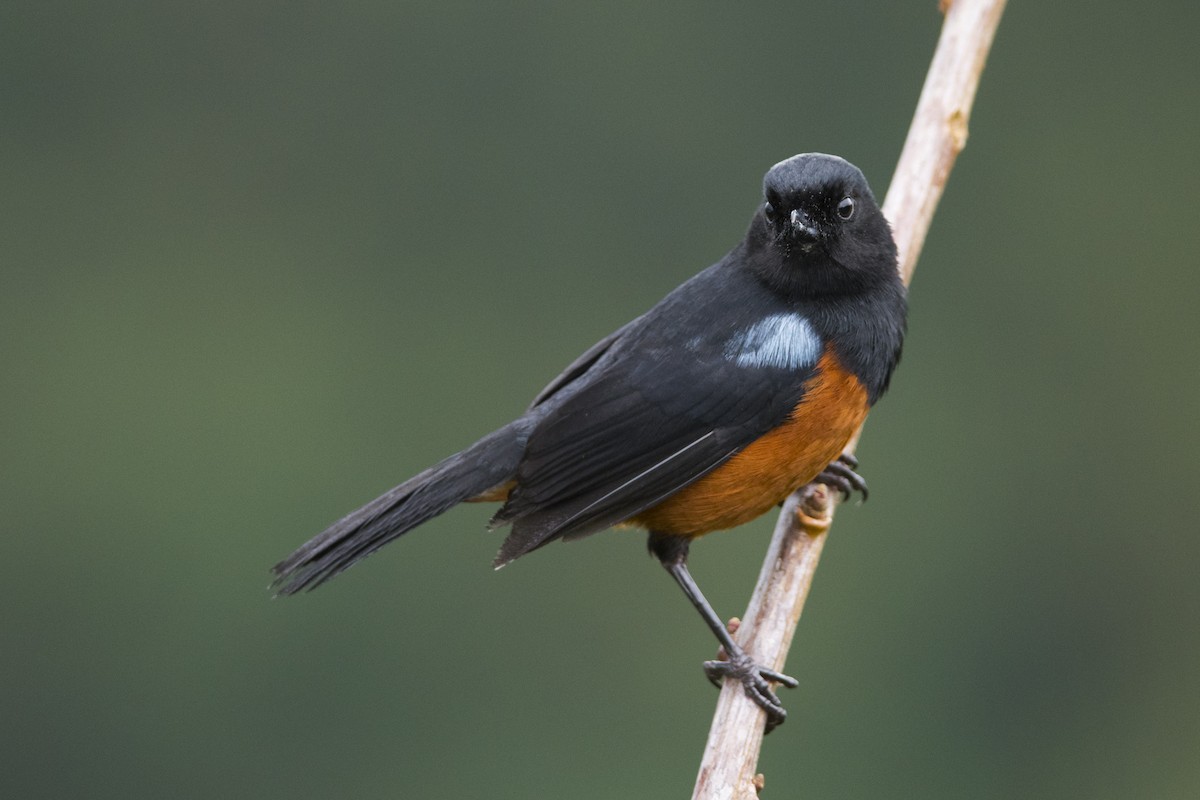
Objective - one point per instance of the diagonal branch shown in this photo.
(937, 135)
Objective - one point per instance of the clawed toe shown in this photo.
(840, 476)
(756, 680)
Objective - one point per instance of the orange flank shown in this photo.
(773, 466)
(496, 494)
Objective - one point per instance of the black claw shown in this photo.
(840, 476)
(756, 680)
(778, 677)
(838, 482)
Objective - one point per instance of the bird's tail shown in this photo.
(484, 465)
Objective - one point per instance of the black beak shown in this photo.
(803, 227)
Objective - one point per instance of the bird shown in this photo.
(743, 384)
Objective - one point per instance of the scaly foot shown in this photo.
(756, 680)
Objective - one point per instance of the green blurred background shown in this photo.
(262, 260)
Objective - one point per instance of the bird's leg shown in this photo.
(672, 552)
(840, 475)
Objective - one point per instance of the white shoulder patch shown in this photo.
(784, 341)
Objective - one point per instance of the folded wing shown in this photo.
(636, 431)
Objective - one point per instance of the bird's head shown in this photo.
(819, 223)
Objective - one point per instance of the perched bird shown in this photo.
(740, 386)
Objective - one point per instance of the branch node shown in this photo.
(731, 626)
(814, 513)
(956, 125)
(759, 782)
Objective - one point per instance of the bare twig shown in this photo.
(937, 135)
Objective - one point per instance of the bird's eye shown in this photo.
(769, 211)
(845, 209)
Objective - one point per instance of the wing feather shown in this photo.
(636, 432)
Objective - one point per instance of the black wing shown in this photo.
(639, 427)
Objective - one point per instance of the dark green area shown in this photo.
(260, 261)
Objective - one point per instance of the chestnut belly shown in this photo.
(773, 466)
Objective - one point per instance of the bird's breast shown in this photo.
(770, 468)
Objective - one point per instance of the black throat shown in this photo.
(853, 297)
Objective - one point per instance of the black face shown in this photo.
(819, 215)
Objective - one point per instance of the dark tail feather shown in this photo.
(482, 466)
